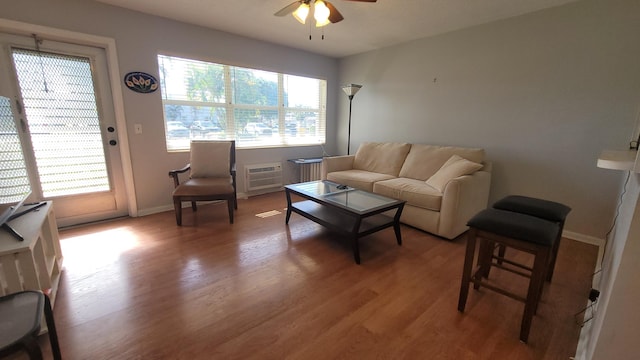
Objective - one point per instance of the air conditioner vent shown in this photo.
(263, 176)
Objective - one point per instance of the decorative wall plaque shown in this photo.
(141, 82)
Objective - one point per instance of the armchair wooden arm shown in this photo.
(174, 174)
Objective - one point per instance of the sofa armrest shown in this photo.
(462, 198)
(336, 163)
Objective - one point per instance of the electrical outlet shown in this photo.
(137, 128)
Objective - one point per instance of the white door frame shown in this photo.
(109, 46)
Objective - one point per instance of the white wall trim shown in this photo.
(155, 210)
(109, 45)
(583, 238)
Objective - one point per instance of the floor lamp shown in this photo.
(351, 91)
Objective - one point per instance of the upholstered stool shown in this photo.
(519, 231)
(20, 317)
(544, 209)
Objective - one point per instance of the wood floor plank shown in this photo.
(144, 288)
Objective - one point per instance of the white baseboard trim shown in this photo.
(583, 238)
(163, 208)
(154, 210)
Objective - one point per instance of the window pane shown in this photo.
(202, 121)
(254, 87)
(184, 79)
(297, 92)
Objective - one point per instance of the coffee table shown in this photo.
(349, 211)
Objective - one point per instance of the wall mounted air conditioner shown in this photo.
(263, 176)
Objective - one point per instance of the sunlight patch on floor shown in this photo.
(99, 248)
(268, 214)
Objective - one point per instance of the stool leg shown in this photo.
(502, 250)
(467, 268)
(546, 255)
(554, 252)
(536, 282)
(51, 327)
(32, 348)
(485, 257)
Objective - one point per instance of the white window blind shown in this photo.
(257, 108)
(60, 105)
(13, 172)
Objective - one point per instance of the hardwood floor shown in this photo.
(144, 288)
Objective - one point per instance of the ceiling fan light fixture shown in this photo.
(321, 13)
(301, 13)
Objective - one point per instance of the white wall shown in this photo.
(616, 322)
(543, 93)
(139, 38)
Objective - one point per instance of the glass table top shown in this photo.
(349, 198)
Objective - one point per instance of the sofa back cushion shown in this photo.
(425, 160)
(381, 157)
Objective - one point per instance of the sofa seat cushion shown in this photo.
(358, 179)
(414, 192)
(383, 158)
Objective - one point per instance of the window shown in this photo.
(257, 108)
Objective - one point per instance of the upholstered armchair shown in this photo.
(212, 176)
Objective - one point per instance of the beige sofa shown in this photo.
(437, 199)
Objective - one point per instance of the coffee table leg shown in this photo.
(354, 240)
(286, 221)
(396, 228)
(356, 250)
(396, 224)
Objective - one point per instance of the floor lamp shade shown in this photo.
(351, 91)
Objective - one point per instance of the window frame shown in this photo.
(286, 136)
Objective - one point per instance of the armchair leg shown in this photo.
(230, 205)
(193, 206)
(177, 205)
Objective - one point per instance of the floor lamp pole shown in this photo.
(350, 90)
(349, 134)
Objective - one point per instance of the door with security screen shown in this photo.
(66, 121)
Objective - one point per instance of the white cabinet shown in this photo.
(36, 262)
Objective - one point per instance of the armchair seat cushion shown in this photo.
(202, 187)
(360, 179)
(414, 192)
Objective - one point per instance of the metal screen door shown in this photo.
(63, 96)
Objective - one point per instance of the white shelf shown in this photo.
(36, 262)
(617, 159)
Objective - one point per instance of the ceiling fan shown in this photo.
(323, 11)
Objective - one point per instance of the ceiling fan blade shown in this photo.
(334, 14)
(288, 9)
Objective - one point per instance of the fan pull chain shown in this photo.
(44, 76)
(310, 27)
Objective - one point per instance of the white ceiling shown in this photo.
(366, 26)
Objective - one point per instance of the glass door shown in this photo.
(66, 115)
